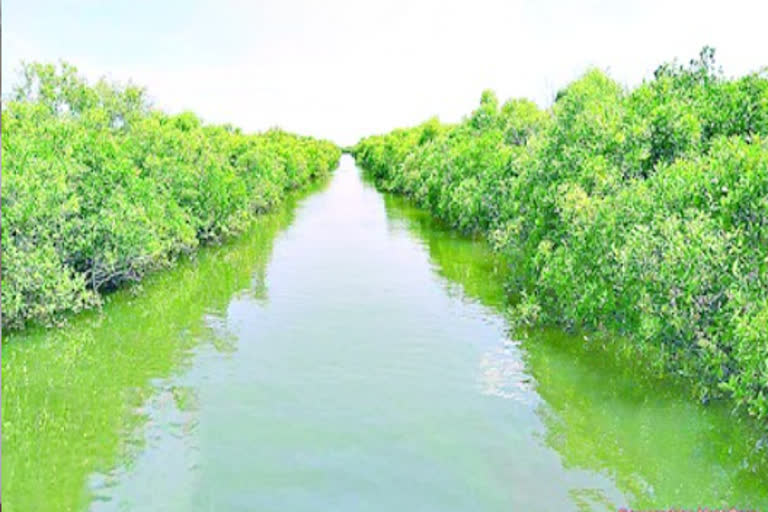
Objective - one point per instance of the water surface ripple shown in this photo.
(353, 355)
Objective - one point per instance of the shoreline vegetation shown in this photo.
(99, 188)
(639, 214)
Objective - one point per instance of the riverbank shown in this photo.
(348, 349)
(638, 215)
(74, 397)
(99, 189)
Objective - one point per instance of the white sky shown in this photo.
(345, 69)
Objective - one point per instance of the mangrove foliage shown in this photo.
(641, 212)
(99, 188)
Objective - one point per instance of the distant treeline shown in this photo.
(98, 188)
(642, 213)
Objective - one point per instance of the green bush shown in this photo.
(642, 213)
(99, 189)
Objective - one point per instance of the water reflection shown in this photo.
(659, 448)
(503, 374)
(77, 400)
(359, 360)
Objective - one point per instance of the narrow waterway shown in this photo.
(348, 353)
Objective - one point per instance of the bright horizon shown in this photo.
(345, 69)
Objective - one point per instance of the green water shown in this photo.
(348, 353)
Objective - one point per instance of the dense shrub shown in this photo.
(642, 212)
(98, 188)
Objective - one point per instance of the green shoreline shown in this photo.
(640, 214)
(87, 379)
(99, 188)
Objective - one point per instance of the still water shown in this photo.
(348, 353)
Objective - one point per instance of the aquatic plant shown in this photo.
(642, 212)
(99, 188)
